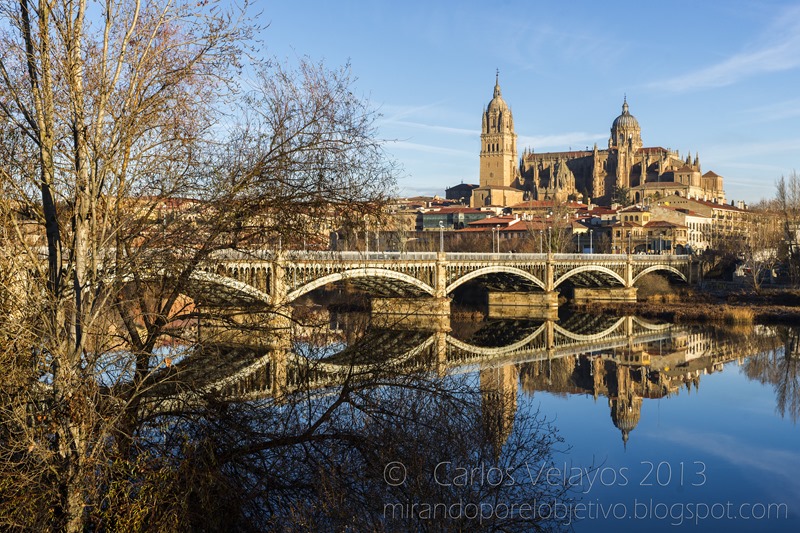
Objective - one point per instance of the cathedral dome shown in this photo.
(625, 131)
(625, 120)
(497, 103)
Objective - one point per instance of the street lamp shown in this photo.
(549, 240)
(591, 249)
(579, 242)
(441, 236)
(629, 242)
(541, 246)
(496, 234)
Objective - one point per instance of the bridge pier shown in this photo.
(523, 304)
(411, 313)
(279, 344)
(440, 351)
(607, 294)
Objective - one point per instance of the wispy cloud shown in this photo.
(776, 111)
(394, 113)
(738, 151)
(534, 45)
(426, 148)
(433, 127)
(576, 140)
(775, 467)
(777, 51)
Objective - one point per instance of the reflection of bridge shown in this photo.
(382, 353)
(282, 277)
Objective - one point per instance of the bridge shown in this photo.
(382, 354)
(279, 278)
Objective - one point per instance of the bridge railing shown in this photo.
(483, 256)
(316, 255)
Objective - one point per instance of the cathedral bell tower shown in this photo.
(499, 165)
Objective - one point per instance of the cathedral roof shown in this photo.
(711, 174)
(652, 150)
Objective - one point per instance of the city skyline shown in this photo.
(710, 79)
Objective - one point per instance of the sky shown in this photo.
(719, 79)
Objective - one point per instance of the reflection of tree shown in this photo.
(780, 367)
(320, 461)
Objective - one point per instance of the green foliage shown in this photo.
(621, 195)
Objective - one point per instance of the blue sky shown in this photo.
(717, 78)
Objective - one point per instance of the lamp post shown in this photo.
(366, 240)
(541, 246)
(629, 242)
(579, 242)
(591, 248)
(441, 236)
(549, 240)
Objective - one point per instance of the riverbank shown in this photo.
(737, 307)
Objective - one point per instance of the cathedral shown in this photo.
(626, 164)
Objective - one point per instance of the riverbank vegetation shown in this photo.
(657, 298)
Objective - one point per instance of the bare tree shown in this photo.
(788, 205)
(118, 183)
(759, 246)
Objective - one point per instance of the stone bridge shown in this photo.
(279, 278)
(403, 352)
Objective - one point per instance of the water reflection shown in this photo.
(321, 418)
(623, 359)
(779, 366)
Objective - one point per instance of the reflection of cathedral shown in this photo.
(499, 398)
(626, 404)
(646, 171)
(626, 377)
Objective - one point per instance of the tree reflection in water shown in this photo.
(385, 450)
(779, 366)
(408, 438)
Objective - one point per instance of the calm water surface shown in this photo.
(664, 426)
(721, 452)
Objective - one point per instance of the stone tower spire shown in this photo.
(499, 165)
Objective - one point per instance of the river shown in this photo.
(591, 422)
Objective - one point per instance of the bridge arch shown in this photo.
(499, 269)
(667, 268)
(225, 281)
(592, 336)
(495, 351)
(359, 273)
(589, 268)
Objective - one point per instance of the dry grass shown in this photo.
(738, 315)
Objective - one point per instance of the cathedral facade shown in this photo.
(626, 164)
